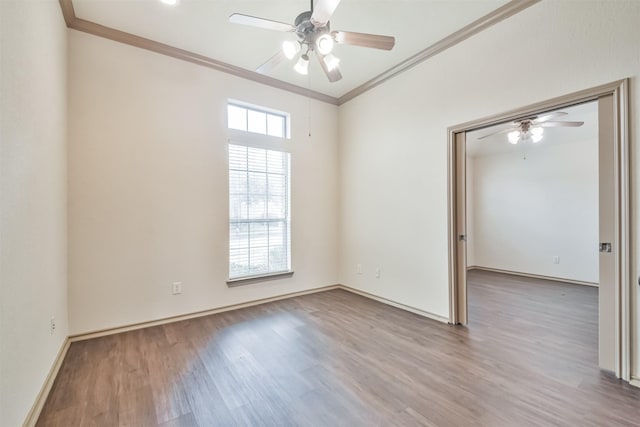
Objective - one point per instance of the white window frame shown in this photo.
(269, 143)
(259, 109)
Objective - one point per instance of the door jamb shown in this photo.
(624, 303)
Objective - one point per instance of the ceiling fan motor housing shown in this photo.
(525, 125)
(307, 32)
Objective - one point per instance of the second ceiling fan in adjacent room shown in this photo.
(531, 129)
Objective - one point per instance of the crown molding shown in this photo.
(481, 24)
(95, 29)
(68, 12)
(453, 39)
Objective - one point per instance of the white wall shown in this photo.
(33, 197)
(148, 195)
(393, 139)
(525, 212)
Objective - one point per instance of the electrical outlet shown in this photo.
(359, 269)
(378, 273)
(52, 325)
(556, 259)
(176, 288)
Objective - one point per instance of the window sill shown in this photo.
(260, 278)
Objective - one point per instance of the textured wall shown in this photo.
(33, 200)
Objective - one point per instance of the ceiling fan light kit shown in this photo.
(324, 43)
(302, 66)
(514, 136)
(534, 135)
(313, 32)
(290, 49)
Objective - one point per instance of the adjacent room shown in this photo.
(532, 205)
(532, 233)
(219, 213)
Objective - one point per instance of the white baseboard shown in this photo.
(34, 413)
(533, 276)
(395, 304)
(165, 320)
(635, 382)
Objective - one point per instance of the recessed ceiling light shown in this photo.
(170, 2)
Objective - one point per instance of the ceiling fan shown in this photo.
(313, 35)
(531, 129)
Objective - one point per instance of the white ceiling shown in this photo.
(202, 27)
(498, 144)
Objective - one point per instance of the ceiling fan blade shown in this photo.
(253, 21)
(271, 63)
(365, 40)
(498, 132)
(545, 117)
(334, 74)
(560, 124)
(322, 11)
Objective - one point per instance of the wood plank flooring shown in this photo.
(528, 358)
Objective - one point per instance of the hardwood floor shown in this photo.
(528, 357)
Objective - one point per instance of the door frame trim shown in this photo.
(624, 303)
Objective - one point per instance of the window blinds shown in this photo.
(258, 211)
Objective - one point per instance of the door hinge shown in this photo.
(462, 237)
(605, 247)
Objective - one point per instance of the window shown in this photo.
(259, 241)
(256, 120)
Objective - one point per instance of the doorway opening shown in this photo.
(532, 236)
(613, 272)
